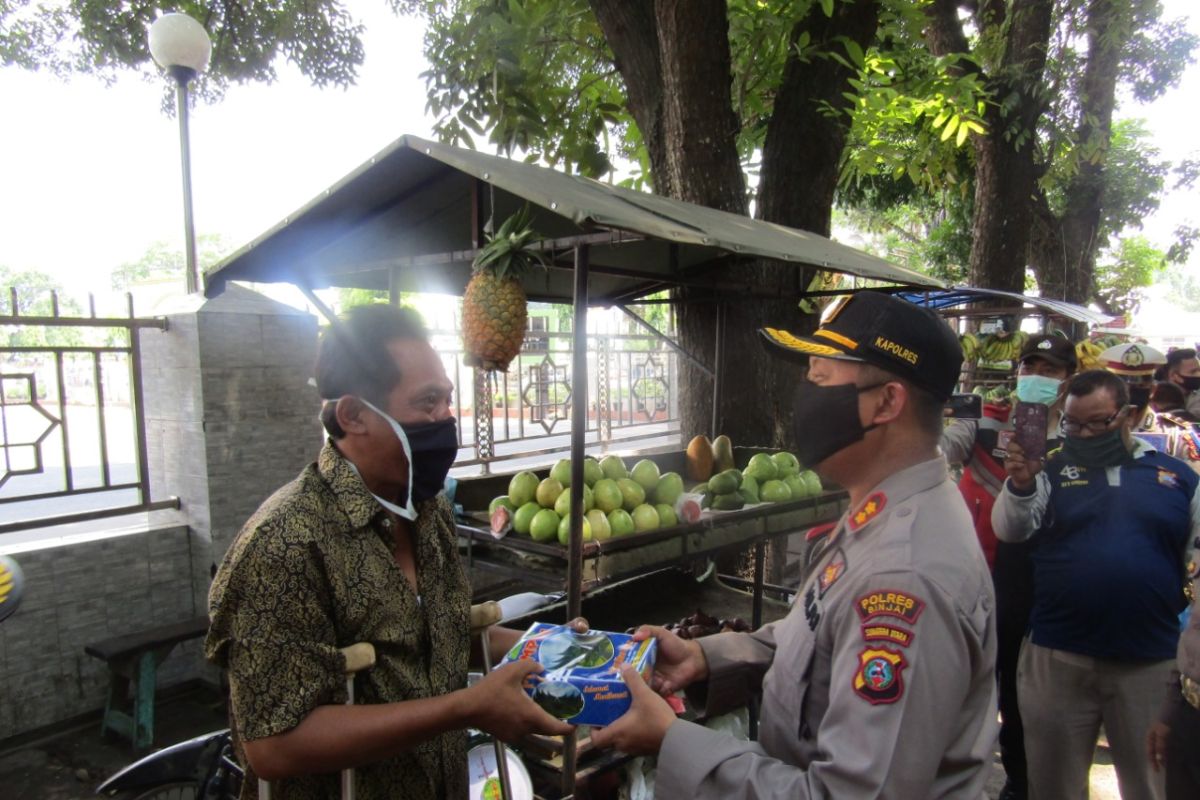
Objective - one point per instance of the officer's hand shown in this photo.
(1156, 745)
(641, 729)
(1023, 471)
(499, 706)
(679, 663)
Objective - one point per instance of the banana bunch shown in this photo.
(970, 347)
(1087, 353)
(997, 348)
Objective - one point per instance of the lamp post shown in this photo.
(180, 45)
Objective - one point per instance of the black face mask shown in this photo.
(434, 447)
(825, 420)
(1190, 383)
(1106, 450)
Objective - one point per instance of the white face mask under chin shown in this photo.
(408, 512)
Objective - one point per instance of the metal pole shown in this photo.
(579, 384)
(183, 76)
(716, 371)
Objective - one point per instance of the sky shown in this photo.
(91, 172)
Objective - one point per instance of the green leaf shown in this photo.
(963, 132)
(827, 7)
(950, 128)
(853, 50)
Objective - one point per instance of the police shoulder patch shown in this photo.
(879, 677)
(889, 603)
(882, 632)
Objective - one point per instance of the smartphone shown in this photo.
(1029, 428)
(965, 406)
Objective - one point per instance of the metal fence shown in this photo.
(632, 397)
(72, 430)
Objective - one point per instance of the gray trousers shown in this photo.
(1064, 699)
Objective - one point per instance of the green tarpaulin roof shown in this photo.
(407, 219)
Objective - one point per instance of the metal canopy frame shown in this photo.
(944, 300)
(412, 217)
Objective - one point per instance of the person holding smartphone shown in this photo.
(981, 446)
(1114, 521)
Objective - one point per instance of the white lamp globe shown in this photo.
(177, 40)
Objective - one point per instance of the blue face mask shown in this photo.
(1037, 389)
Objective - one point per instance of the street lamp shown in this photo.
(180, 45)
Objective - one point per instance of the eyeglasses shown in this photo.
(1072, 427)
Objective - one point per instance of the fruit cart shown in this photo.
(414, 218)
(626, 556)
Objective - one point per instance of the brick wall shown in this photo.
(230, 418)
(79, 593)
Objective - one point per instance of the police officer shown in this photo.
(1183, 370)
(879, 682)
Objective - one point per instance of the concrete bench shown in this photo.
(133, 661)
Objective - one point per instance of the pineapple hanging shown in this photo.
(494, 310)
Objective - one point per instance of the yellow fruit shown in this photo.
(699, 459)
(494, 320)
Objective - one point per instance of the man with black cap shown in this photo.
(981, 447)
(880, 680)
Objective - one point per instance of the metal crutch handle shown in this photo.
(483, 616)
(358, 656)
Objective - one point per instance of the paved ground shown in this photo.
(68, 766)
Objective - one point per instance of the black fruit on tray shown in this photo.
(700, 624)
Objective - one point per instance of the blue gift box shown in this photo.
(582, 681)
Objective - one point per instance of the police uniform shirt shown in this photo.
(880, 680)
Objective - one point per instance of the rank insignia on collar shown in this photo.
(879, 679)
(868, 510)
(829, 574)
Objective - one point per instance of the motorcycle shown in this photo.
(203, 768)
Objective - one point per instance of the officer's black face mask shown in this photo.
(825, 420)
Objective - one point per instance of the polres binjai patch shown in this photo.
(582, 681)
(889, 603)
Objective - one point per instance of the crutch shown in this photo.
(358, 657)
(483, 616)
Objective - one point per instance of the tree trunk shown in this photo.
(687, 121)
(1065, 260)
(1006, 170)
(632, 34)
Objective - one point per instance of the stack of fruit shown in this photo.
(616, 501)
(766, 478)
(999, 350)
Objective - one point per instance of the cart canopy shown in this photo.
(409, 219)
(941, 299)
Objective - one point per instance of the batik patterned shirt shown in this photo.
(313, 571)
